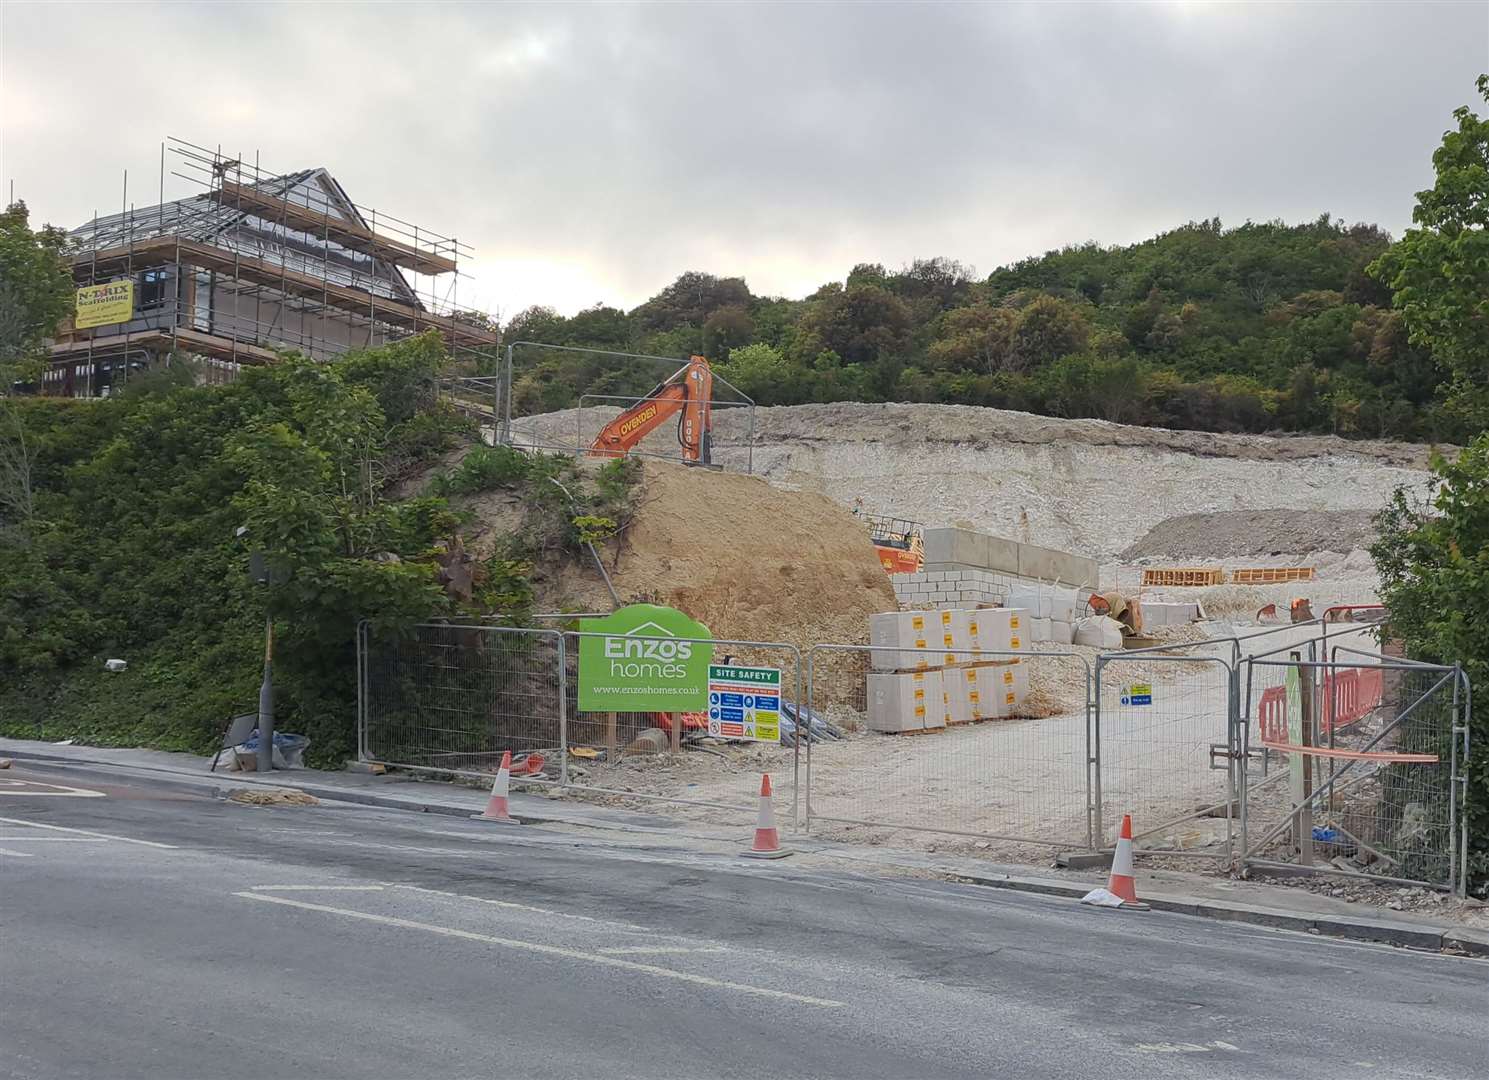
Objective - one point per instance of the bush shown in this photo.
(1434, 566)
(485, 468)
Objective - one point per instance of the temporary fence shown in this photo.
(1163, 752)
(453, 697)
(1007, 756)
(1352, 766)
(1296, 746)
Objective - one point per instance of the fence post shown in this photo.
(1236, 761)
(1090, 805)
(803, 715)
(563, 711)
(811, 711)
(1303, 819)
(1095, 762)
(1243, 736)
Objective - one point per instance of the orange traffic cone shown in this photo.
(496, 807)
(767, 841)
(1121, 883)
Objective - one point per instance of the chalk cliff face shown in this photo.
(1085, 486)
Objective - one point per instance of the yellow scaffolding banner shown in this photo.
(103, 305)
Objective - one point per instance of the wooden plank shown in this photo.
(346, 233)
(193, 341)
(1184, 575)
(1271, 575)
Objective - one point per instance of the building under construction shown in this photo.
(252, 264)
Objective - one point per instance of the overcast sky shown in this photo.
(593, 152)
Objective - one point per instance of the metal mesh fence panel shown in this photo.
(992, 745)
(1352, 766)
(1163, 724)
(453, 698)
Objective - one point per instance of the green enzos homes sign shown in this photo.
(644, 662)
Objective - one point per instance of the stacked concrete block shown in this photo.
(985, 691)
(906, 701)
(964, 569)
(961, 588)
(953, 549)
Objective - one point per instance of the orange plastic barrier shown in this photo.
(1354, 693)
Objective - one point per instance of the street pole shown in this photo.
(266, 702)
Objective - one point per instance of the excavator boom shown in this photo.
(687, 393)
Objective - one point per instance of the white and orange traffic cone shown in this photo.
(1121, 889)
(496, 807)
(767, 841)
(1121, 883)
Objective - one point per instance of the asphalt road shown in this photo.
(145, 933)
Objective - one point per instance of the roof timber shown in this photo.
(348, 234)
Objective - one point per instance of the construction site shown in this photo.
(994, 633)
(985, 631)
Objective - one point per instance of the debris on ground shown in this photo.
(268, 796)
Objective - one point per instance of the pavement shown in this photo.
(149, 930)
(1259, 903)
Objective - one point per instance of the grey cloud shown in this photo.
(629, 143)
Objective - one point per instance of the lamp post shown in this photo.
(260, 572)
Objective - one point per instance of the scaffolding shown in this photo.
(252, 263)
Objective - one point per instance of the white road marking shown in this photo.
(58, 839)
(661, 950)
(87, 832)
(17, 854)
(549, 950)
(317, 888)
(524, 907)
(1184, 1048)
(12, 786)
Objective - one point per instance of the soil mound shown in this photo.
(751, 561)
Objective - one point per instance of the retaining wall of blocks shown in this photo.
(965, 587)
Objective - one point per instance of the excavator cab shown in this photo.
(687, 394)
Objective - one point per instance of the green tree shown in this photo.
(35, 288)
(1439, 271)
(690, 300)
(1434, 568)
(762, 373)
(979, 338)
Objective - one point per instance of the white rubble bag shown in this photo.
(1035, 599)
(1099, 632)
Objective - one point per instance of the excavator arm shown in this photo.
(687, 394)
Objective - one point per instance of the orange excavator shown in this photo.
(687, 393)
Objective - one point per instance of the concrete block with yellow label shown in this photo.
(968, 694)
(912, 701)
(961, 632)
(1012, 687)
(905, 640)
(986, 691)
(1002, 630)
